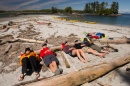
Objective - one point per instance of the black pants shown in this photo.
(29, 63)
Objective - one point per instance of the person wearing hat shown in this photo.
(72, 51)
(50, 60)
(29, 60)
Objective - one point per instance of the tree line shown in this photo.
(102, 8)
(97, 8)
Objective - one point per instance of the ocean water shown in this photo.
(123, 20)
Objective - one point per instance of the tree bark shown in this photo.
(84, 75)
(120, 40)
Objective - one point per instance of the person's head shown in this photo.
(27, 50)
(44, 45)
(76, 41)
(85, 40)
(88, 35)
(66, 42)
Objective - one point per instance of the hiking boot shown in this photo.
(61, 70)
(57, 72)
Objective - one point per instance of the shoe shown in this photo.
(57, 72)
(61, 70)
(37, 75)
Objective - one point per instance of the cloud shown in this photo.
(74, 3)
(15, 4)
(26, 3)
(51, 2)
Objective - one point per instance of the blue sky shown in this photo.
(43, 4)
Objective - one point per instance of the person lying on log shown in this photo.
(29, 60)
(74, 52)
(88, 42)
(50, 60)
(89, 50)
(96, 35)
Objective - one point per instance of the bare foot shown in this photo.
(83, 61)
(103, 55)
(87, 60)
(21, 77)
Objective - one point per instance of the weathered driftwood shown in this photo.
(8, 48)
(65, 60)
(8, 41)
(1, 37)
(20, 40)
(119, 40)
(29, 40)
(84, 75)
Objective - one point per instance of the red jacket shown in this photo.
(96, 37)
(46, 51)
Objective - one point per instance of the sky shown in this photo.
(124, 5)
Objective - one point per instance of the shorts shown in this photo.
(70, 53)
(49, 58)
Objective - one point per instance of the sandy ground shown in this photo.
(63, 29)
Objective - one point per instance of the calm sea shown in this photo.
(123, 20)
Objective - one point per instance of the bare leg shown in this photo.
(54, 65)
(76, 52)
(51, 68)
(83, 54)
(96, 53)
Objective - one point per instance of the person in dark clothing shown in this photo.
(74, 52)
(29, 60)
(89, 49)
(89, 43)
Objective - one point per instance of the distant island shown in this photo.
(93, 8)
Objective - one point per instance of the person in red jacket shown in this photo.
(50, 60)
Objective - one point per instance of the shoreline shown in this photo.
(27, 16)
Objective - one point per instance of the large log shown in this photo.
(119, 40)
(29, 40)
(8, 41)
(84, 75)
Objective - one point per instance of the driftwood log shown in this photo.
(82, 76)
(7, 49)
(29, 40)
(67, 64)
(19, 40)
(119, 40)
(8, 41)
